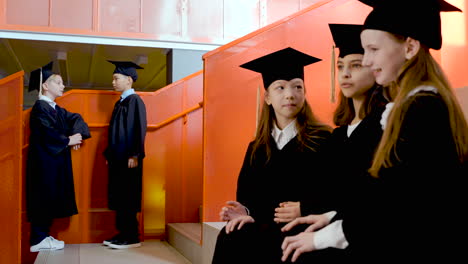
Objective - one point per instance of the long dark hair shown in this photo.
(309, 130)
(344, 114)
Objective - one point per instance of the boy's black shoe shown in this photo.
(109, 241)
(123, 244)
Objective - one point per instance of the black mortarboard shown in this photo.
(285, 64)
(35, 76)
(127, 68)
(347, 38)
(418, 19)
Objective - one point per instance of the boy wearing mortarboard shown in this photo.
(50, 190)
(124, 154)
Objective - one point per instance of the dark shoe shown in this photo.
(109, 241)
(123, 244)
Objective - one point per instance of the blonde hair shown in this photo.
(310, 130)
(422, 69)
(51, 78)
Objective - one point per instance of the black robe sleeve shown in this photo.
(245, 193)
(424, 181)
(136, 127)
(127, 130)
(42, 122)
(77, 125)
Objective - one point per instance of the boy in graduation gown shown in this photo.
(49, 175)
(124, 155)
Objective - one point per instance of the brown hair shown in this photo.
(345, 112)
(310, 130)
(419, 70)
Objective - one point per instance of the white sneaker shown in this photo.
(57, 241)
(47, 244)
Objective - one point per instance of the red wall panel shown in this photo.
(120, 15)
(162, 17)
(72, 14)
(27, 12)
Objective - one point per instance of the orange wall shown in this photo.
(455, 36)
(10, 166)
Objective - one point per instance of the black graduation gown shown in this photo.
(425, 191)
(127, 130)
(290, 175)
(50, 190)
(349, 184)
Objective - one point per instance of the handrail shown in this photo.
(150, 126)
(175, 117)
(159, 125)
(11, 77)
(6, 156)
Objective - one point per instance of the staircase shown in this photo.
(195, 241)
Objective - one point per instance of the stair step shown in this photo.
(188, 240)
(191, 230)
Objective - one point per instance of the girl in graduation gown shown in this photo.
(351, 147)
(419, 163)
(279, 164)
(50, 190)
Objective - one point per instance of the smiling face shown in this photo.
(354, 78)
(383, 53)
(287, 99)
(53, 87)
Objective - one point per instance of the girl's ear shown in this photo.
(412, 47)
(267, 98)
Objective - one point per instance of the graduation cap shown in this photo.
(126, 68)
(418, 19)
(39, 76)
(347, 38)
(285, 64)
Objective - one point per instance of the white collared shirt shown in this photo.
(282, 137)
(48, 100)
(126, 94)
(389, 106)
(352, 127)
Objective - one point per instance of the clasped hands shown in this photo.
(288, 212)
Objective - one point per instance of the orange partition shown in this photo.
(172, 174)
(11, 105)
(231, 92)
(454, 53)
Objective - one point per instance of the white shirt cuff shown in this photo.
(331, 236)
(330, 215)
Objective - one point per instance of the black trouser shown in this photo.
(39, 230)
(127, 224)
